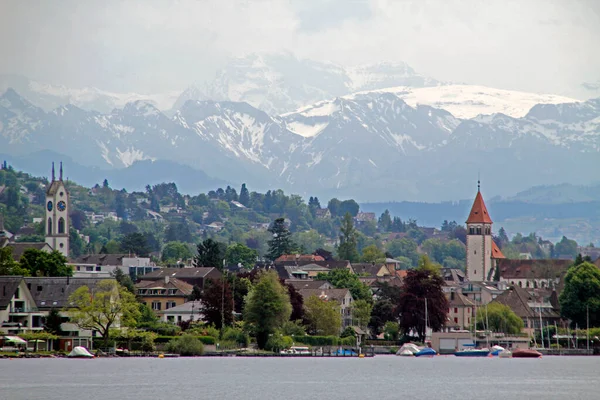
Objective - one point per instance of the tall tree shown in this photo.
(361, 313)
(296, 300)
(581, 295)
(8, 266)
(323, 316)
(124, 280)
(498, 318)
(244, 195)
(135, 243)
(237, 253)
(41, 263)
(267, 307)
(372, 254)
(281, 241)
(566, 247)
(210, 254)
(217, 300)
(420, 284)
(53, 322)
(174, 251)
(385, 221)
(347, 247)
(102, 308)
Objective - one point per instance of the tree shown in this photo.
(422, 285)
(296, 300)
(372, 254)
(385, 221)
(244, 195)
(581, 295)
(566, 247)
(53, 322)
(124, 280)
(135, 243)
(41, 263)
(281, 242)
(8, 266)
(341, 278)
(404, 247)
(334, 207)
(498, 317)
(323, 316)
(103, 307)
(237, 253)
(267, 307)
(174, 251)
(348, 207)
(383, 311)
(361, 313)
(210, 254)
(347, 247)
(217, 301)
(186, 345)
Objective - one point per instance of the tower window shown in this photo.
(49, 230)
(61, 225)
(479, 230)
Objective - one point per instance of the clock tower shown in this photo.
(57, 214)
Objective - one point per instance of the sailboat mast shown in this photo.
(426, 321)
(541, 324)
(487, 327)
(588, 327)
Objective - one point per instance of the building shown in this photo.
(542, 274)
(57, 214)
(19, 248)
(18, 311)
(192, 276)
(461, 311)
(373, 270)
(298, 258)
(163, 294)
(104, 265)
(482, 253)
(343, 297)
(190, 311)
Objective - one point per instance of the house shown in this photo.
(482, 293)
(322, 213)
(364, 217)
(163, 294)
(18, 248)
(215, 226)
(372, 270)
(534, 273)
(104, 265)
(298, 258)
(192, 276)
(531, 309)
(18, 311)
(237, 204)
(308, 284)
(190, 311)
(304, 272)
(341, 296)
(26, 230)
(460, 312)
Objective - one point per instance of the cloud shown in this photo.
(538, 45)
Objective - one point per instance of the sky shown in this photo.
(148, 46)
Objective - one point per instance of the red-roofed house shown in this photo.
(299, 258)
(482, 253)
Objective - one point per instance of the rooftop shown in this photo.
(479, 213)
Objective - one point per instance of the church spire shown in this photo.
(53, 171)
(60, 174)
(479, 213)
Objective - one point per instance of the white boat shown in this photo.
(408, 349)
(505, 354)
(80, 352)
(405, 353)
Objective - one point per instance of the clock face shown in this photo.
(49, 206)
(61, 206)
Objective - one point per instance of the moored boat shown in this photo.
(505, 354)
(526, 353)
(496, 350)
(408, 349)
(426, 352)
(472, 353)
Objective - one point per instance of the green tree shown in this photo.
(349, 207)
(237, 253)
(361, 313)
(323, 316)
(334, 207)
(385, 221)
(309, 241)
(41, 263)
(372, 254)
(135, 243)
(404, 247)
(8, 266)
(342, 278)
(347, 248)
(53, 322)
(566, 247)
(103, 307)
(186, 345)
(210, 254)
(174, 251)
(217, 300)
(498, 317)
(581, 295)
(124, 280)
(244, 195)
(267, 307)
(281, 241)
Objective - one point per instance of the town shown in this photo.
(155, 273)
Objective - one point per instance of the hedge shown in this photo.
(203, 339)
(326, 340)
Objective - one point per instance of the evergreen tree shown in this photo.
(347, 248)
(210, 254)
(244, 195)
(502, 236)
(105, 184)
(281, 242)
(385, 221)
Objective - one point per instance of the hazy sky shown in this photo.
(149, 46)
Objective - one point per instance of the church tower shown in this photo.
(482, 252)
(57, 214)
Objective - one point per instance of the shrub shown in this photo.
(349, 331)
(236, 335)
(161, 328)
(186, 345)
(391, 330)
(278, 342)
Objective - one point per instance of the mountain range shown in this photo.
(379, 132)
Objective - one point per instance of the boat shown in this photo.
(408, 349)
(469, 350)
(526, 353)
(80, 352)
(505, 354)
(425, 352)
(344, 352)
(496, 350)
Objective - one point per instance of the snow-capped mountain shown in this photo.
(371, 146)
(280, 82)
(49, 97)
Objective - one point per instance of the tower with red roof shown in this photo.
(482, 252)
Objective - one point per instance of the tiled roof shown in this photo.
(496, 253)
(8, 286)
(181, 273)
(18, 248)
(101, 259)
(479, 213)
(458, 299)
(533, 269)
(183, 288)
(54, 292)
(519, 300)
(330, 294)
(301, 284)
(367, 269)
(299, 257)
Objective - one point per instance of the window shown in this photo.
(78, 268)
(98, 269)
(156, 305)
(170, 318)
(455, 320)
(479, 230)
(474, 272)
(455, 310)
(170, 304)
(17, 293)
(179, 318)
(89, 269)
(49, 226)
(469, 320)
(61, 225)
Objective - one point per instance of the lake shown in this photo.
(381, 377)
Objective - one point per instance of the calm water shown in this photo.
(382, 377)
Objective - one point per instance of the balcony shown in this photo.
(24, 310)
